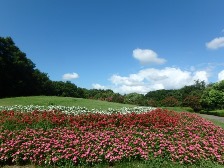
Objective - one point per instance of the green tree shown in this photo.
(16, 70)
(158, 96)
(213, 96)
(65, 89)
(170, 101)
(135, 98)
(43, 85)
(194, 90)
(193, 102)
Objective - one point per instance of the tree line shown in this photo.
(20, 77)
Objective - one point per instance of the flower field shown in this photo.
(75, 136)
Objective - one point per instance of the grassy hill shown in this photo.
(64, 101)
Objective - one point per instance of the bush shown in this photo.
(152, 103)
(193, 102)
(170, 102)
(213, 97)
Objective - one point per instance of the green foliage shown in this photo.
(135, 98)
(18, 75)
(193, 102)
(99, 93)
(117, 98)
(213, 96)
(154, 163)
(170, 102)
(194, 90)
(65, 89)
(152, 103)
(16, 70)
(43, 84)
(178, 97)
(219, 113)
(219, 86)
(159, 95)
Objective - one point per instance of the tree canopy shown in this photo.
(213, 96)
(16, 70)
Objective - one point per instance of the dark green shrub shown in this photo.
(170, 102)
(193, 102)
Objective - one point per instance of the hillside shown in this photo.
(64, 101)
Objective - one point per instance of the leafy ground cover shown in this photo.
(59, 138)
(214, 112)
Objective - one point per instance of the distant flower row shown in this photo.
(75, 110)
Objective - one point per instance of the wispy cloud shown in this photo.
(147, 56)
(98, 86)
(70, 76)
(216, 43)
(221, 75)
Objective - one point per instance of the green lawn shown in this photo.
(70, 101)
(179, 109)
(64, 101)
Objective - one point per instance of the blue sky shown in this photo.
(123, 45)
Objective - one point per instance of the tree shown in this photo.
(16, 70)
(194, 90)
(158, 97)
(152, 102)
(65, 89)
(117, 98)
(135, 98)
(170, 101)
(43, 85)
(213, 96)
(193, 102)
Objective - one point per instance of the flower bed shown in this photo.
(57, 138)
(74, 110)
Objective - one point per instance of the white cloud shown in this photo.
(221, 75)
(98, 86)
(70, 76)
(153, 79)
(124, 89)
(132, 80)
(146, 56)
(215, 43)
(201, 76)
